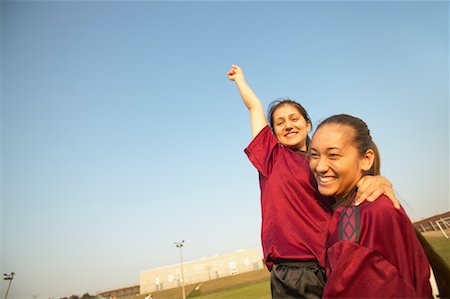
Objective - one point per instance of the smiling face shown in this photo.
(290, 127)
(335, 162)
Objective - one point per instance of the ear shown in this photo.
(367, 160)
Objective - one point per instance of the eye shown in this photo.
(333, 156)
(279, 123)
(314, 156)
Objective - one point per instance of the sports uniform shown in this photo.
(295, 216)
(373, 252)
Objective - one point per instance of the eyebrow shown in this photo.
(296, 113)
(327, 149)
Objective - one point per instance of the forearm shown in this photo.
(248, 96)
(257, 115)
(372, 187)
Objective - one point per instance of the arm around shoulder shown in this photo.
(370, 188)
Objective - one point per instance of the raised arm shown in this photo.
(257, 115)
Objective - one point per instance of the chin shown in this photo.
(326, 191)
(292, 146)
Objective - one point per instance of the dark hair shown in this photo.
(285, 101)
(361, 137)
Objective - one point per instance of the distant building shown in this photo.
(203, 269)
(434, 223)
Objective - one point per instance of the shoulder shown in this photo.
(264, 133)
(264, 138)
(382, 203)
(383, 210)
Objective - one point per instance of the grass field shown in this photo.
(259, 290)
(250, 285)
(256, 285)
(440, 244)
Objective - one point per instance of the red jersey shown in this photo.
(294, 224)
(373, 252)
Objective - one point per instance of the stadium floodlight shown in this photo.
(9, 277)
(180, 245)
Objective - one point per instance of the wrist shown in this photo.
(240, 82)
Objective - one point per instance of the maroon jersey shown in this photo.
(294, 224)
(373, 252)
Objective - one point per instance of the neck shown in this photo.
(345, 200)
(301, 148)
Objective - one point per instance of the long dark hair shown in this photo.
(285, 101)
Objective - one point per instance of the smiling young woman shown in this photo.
(372, 249)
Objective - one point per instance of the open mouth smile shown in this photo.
(290, 134)
(325, 179)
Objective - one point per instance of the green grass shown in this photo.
(259, 290)
(252, 285)
(441, 245)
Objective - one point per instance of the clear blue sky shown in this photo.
(121, 133)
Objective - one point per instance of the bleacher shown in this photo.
(440, 222)
(120, 292)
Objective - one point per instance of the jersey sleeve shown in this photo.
(392, 236)
(360, 272)
(262, 150)
(373, 252)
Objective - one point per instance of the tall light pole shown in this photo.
(9, 277)
(180, 245)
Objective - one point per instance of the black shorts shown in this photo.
(297, 280)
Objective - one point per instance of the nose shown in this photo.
(321, 165)
(288, 125)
